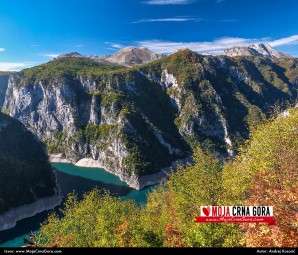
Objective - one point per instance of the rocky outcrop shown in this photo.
(59, 158)
(41, 110)
(258, 49)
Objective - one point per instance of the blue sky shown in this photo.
(35, 31)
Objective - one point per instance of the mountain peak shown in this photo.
(133, 56)
(262, 45)
(129, 48)
(257, 49)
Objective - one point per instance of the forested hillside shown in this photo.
(137, 121)
(264, 173)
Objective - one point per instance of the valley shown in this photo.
(136, 122)
(149, 124)
(132, 125)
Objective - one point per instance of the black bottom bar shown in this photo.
(157, 251)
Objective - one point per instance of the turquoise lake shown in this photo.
(79, 179)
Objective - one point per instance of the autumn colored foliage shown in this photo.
(264, 173)
(271, 158)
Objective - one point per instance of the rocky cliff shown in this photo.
(3, 87)
(27, 179)
(137, 121)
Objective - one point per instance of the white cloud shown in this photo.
(7, 66)
(79, 45)
(167, 2)
(177, 19)
(117, 46)
(114, 45)
(50, 55)
(286, 40)
(213, 47)
(2, 49)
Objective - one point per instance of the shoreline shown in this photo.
(58, 158)
(134, 182)
(10, 218)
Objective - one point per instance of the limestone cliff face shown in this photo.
(135, 122)
(75, 121)
(3, 88)
(45, 110)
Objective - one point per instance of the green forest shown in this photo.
(264, 173)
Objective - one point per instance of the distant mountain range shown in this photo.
(129, 56)
(257, 49)
(133, 56)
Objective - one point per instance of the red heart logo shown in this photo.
(206, 210)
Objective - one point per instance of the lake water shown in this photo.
(72, 178)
